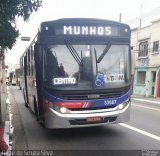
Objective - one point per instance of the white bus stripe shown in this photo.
(149, 101)
(146, 107)
(141, 131)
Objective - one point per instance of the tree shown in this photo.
(9, 10)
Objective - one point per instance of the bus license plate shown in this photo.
(93, 119)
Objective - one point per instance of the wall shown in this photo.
(150, 63)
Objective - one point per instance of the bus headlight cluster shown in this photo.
(57, 108)
(120, 106)
(123, 105)
(63, 110)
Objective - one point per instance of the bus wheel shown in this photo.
(42, 123)
(41, 120)
(35, 108)
(39, 116)
(25, 100)
(19, 84)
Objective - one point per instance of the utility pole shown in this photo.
(140, 21)
(120, 17)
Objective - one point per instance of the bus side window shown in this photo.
(50, 66)
(85, 69)
(28, 62)
(32, 60)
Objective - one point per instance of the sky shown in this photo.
(130, 10)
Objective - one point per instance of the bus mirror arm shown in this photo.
(104, 52)
(95, 52)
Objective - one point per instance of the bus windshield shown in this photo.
(85, 67)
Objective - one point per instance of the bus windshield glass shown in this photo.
(85, 67)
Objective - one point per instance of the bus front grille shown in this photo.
(90, 96)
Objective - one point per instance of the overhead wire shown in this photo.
(145, 16)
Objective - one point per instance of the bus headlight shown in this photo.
(123, 105)
(57, 108)
(120, 106)
(63, 110)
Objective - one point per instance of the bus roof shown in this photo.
(83, 20)
(82, 28)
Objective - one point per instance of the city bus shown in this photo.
(13, 77)
(77, 73)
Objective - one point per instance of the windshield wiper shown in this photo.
(73, 52)
(104, 52)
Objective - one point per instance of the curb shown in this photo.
(8, 129)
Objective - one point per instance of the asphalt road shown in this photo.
(141, 133)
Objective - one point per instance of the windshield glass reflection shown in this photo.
(80, 66)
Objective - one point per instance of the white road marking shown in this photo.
(146, 107)
(150, 101)
(141, 131)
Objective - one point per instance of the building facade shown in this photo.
(146, 52)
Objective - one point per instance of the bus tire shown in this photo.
(35, 107)
(39, 116)
(41, 120)
(42, 123)
(25, 100)
(20, 88)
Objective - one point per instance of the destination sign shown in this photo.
(64, 81)
(87, 30)
(93, 30)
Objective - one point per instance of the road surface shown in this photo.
(141, 134)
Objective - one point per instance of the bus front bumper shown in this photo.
(55, 120)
